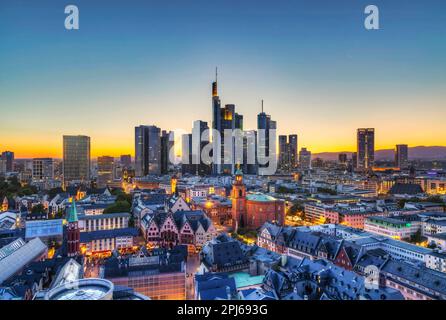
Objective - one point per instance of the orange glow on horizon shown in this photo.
(50, 145)
(35, 151)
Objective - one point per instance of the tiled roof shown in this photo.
(107, 234)
(406, 188)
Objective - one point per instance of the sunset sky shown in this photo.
(321, 74)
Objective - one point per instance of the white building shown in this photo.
(396, 228)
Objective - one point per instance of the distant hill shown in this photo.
(415, 153)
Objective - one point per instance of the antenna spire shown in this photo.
(214, 84)
(262, 105)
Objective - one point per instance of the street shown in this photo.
(193, 262)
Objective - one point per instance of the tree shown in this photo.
(54, 191)
(131, 221)
(282, 189)
(296, 208)
(302, 215)
(118, 206)
(432, 245)
(417, 237)
(124, 197)
(435, 199)
(327, 190)
(38, 209)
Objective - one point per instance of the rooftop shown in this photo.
(244, 279)
(260, 197)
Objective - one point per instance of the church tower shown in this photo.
(73, 232)
(173, 184)
(238, 195)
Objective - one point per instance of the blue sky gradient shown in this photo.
(320, 72)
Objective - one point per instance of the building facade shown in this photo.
(147, 151)
(365, 148)
(76, 158)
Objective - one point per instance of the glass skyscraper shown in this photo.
(365, 148)
(76, 158)
(147, 150)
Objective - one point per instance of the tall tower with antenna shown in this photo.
(214, 84)
(216, 123)
(266, 127)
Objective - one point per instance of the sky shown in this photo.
(320, 73)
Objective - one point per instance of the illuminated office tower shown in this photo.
(365, 148)
(292, 150)
(147, 150)
(187, 167)
(167, 144)
(7, 158)
(223, 118)
(200, 138)
(402, 156)
(283, 159)
(105, 171)
(288, 154)
(43, 169)
(76, 158)
(265, 124)
(249, 163)
(305, 159)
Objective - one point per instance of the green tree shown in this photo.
(327, 190)
(131, 221)
(282, 189)
(38, 209)
(432, 245)
(417, 237)
(296, 208)
(124, 197)
(54, 191)
(118, 206)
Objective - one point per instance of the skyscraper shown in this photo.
(200, 138)
(283, 160)
(305, 159)
(354, 160)
(249, 163)
(342, 158)
(292, 149)
(187, 167)
(8, 160)
(365, 148)
(147, 150)
(126, 161)
(167, 144)
(288, 154)
(265, 136)
(105, 171)
(402, 156)
(223, 119)
(76, 158)
(43, 169)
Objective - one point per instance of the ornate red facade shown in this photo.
(253, 210)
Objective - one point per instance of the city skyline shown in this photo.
(128, 67)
